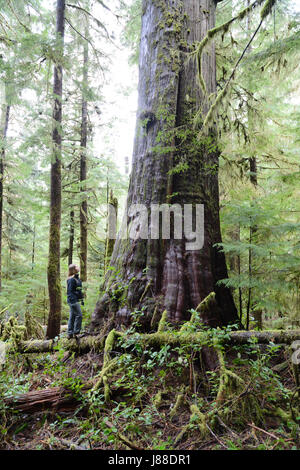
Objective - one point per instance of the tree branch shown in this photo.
(99, 23)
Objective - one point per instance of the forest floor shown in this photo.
(159, 399)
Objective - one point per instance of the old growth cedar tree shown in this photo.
(171, 165)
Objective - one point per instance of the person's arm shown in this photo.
(80, 294)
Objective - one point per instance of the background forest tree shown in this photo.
(28, 58)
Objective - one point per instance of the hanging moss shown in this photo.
(224, 28)
(200, 48)
(267, 8)
(214, 107)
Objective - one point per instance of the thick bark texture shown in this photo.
(171, 165)
(54, 287)
(83, 167)
(4, 127)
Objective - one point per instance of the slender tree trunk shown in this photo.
(83, 167)
(240, 288)
(33, 248)
(4, 127)
(235, 265)
(71, 238)
(54, 286)
(252, 160)
(162, 274)
(253, 180)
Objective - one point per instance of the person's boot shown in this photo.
(70, 336)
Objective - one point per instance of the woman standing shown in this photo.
(74, 295)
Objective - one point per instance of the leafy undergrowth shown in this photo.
(159, 398)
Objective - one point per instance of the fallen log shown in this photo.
(96, 343)
(50, 399)
(265, 337)
(82, 345)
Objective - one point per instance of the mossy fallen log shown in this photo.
(158, 339)
(265, 337)
(79, 345)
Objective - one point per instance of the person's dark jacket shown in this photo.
(74, 290)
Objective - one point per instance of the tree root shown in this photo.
(229, 381)
(196, 418)
(162, 322)
(145, 290)
(157, 399)
(208, 304)
(108, 365)
(178, 404)
(122, 438)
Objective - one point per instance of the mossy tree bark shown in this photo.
(4, 126)
(162, 274)
(54, 287)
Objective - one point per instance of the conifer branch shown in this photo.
(98, 22)
(265, 11)
(10, 5)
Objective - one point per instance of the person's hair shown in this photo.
(72, 270)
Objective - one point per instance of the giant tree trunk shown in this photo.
(163, 274)
(4, 127)
(53, 272)
(83, 167)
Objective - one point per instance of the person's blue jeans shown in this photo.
(75, 319)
